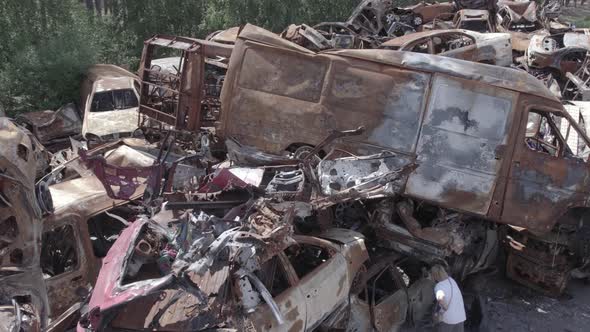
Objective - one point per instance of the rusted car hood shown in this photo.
(197, 276)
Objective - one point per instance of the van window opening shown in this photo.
(114, 100)
(553, 134)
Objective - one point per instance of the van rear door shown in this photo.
(459, 150)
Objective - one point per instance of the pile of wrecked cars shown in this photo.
(302, 181)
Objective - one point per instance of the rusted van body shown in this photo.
(464, 124)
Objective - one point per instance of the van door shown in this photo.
(547, 175)
(464, 130)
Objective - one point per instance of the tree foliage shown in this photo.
(48, 44)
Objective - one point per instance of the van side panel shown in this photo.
(276, 98)
(465, 127)
(388, 101)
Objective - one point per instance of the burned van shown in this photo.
(484, 141)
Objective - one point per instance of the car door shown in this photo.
(63, 264)
(389, 300)
(466, 50)
(280, 279)
(322, 271)
(383, 298)
(546, 175)
(459, 150)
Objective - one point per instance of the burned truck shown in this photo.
(486, 146)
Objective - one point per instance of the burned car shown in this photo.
(518, 16)
(216, 274)
(109, 102)
(381, 18)
(325, 36)
(80, 231)
(563, 53)
(490, 48)
(441, 137)
(53, 128)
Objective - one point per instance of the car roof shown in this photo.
(110, 77)
(507, 78)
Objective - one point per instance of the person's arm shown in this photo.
(440, 298)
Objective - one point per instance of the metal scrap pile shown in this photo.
(521, 34)
(246, 200)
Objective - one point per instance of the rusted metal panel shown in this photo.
(356, 79)
(520, 41)
(492, 48)
(507, 78)
(541, 263)
(459, 149)
(227, 36)
(552, 183)
(181, 99)
(298, 92)
(292, 305)
(558, 51)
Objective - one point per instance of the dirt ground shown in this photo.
(498, 304)
(507, 306)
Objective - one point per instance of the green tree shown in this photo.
(48, 44)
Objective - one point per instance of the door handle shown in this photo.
(517, 164)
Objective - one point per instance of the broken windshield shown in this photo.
(114, 100)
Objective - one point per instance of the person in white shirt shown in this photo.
(450, 309)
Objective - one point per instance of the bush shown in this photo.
(45, 59)
(49, 44)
